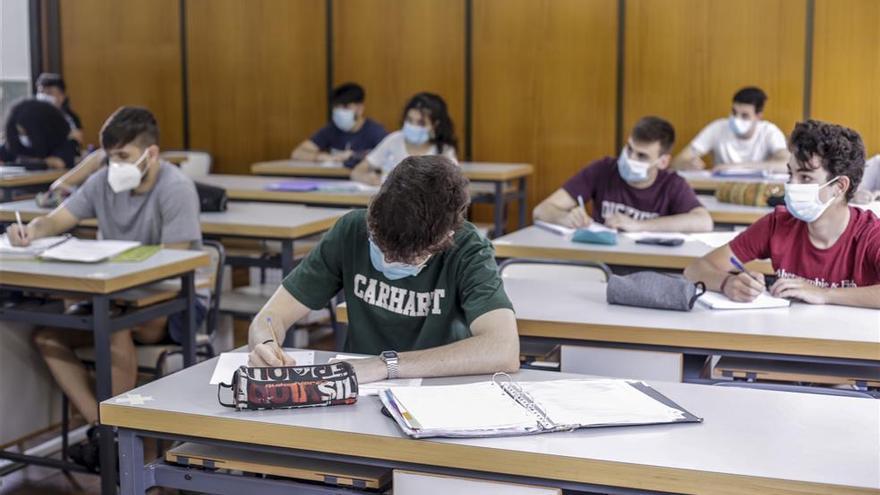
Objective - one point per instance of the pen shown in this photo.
(739, 266)
(20, 225)
(581, 201)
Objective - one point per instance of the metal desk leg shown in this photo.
(500, 205)
(104, 390)
(523, 197)
(189, 338)
(131, 463)
(286, 256)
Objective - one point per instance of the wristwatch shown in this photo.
(391, 362)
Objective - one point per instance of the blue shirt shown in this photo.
(330, 138)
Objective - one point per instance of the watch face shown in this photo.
(389, 355)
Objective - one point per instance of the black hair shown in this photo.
(839, 148)
(652, 129)
(127, 125)
(434, 109)
(751, 95)
(422, 201)
(51, 80)
(347, 93)
(45, 126)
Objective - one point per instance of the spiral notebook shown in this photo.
(502, 407)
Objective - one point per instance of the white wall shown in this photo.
(15, 52)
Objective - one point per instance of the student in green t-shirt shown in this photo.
(418, 279)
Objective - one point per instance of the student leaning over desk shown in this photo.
(421, 284)
(823, 250)
(138, 197)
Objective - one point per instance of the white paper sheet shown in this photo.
(717, 300)
(228, 362)
(87, 251)
(555, 228)
(36, 247)
(714, 239)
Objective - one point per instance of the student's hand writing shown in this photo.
(576, 218)
(18, 236)
(269, 354)
(744, 287)
(800, 289)
(622, 222)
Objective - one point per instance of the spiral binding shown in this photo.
(515, 391)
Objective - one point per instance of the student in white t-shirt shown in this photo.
(869, 189)
(426, 130)
(742, 140)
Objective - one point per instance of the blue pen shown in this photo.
(739, 266)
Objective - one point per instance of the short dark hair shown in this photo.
(44, 125)
(51, 80)
(652, 129)
(434, 108)
(422, 201)
(751, 95)
(127, 125)
(347, 93)
(839, 148)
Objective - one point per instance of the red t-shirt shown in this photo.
(853, 261)
(600, 182)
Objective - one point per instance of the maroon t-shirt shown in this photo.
(600, 182)
(853, 261)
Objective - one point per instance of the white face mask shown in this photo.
(802, 201)
(123, 176)
(416, 134)
(632, 170)
(46, 97)
(739, 126)
(344, 119)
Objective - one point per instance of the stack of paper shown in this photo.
(87, 251)
(34, 249)
(717, 300)
(228, 362)
(555, 228)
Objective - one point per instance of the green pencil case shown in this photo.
(593, 237)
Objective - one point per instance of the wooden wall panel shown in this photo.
(846, 66)
(257, 78)
(544, 85)
(396, 48)
(686, 58)
(123, 52)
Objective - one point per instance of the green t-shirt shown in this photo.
(433, 308)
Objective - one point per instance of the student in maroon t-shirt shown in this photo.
(823, 250)
(634, 192)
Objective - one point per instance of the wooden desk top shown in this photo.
(563, 310)
(18, 179)
(751, 442)
(252, 188)
(730, 213)
(703, 180)
(244, 219)
(537, 243)
(475, 171)
(99, 278)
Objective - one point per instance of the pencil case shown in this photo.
(654, 290)
(290, 387)
(595, 237)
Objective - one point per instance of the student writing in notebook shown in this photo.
(421, 284)
(36, 131)
(426, 129)
(823, 250)
(633, 192)
(350, 134)
(742, 140)
(138, 197)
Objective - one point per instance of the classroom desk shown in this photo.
(537, 243)
(732, 214)
(260, 221)
(20, 182)
(496, 175)
(751, 442)
(704, 182)
(100, 283)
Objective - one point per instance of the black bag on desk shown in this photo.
(211, 198)
(654, 290)
(288, 387)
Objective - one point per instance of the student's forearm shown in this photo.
(78, 174)
(279, 313)
(306, 155)
(685, 222)
(866, 297)
(549, 213)
(703, 270)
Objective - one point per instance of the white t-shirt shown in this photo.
(719, 138)
(871, 179)
(388, 153)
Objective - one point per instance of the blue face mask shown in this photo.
(392, 271)
(632, 170)
(415, 134)
(344, 119)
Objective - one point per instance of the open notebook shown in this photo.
(36, 247)
(501, 408)
(717, 300)
(86, 250)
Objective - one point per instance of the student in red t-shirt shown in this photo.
(823, 250)
(634, 192)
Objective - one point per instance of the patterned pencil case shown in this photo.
(288, 387)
